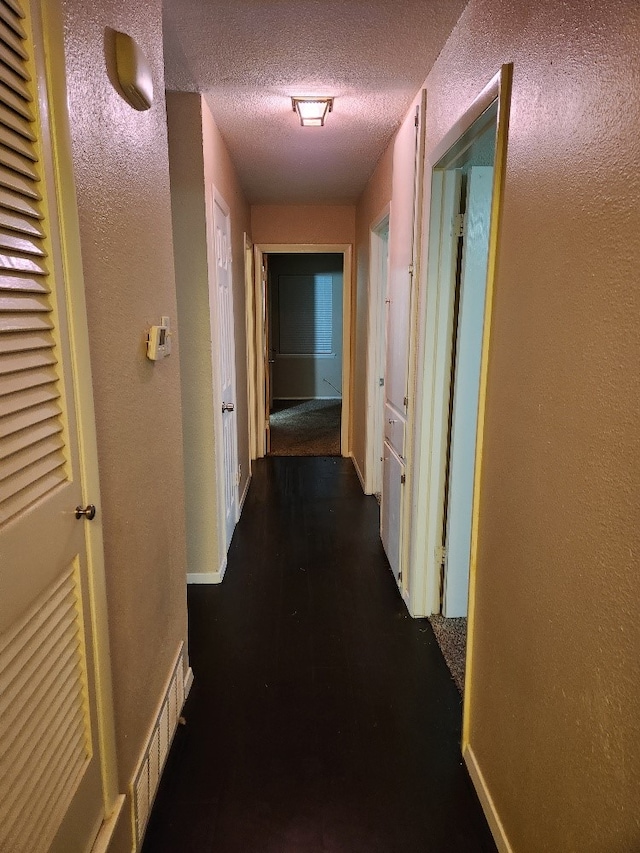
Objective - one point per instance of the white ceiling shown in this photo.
(249, 56)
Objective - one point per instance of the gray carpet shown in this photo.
(305, 428)
(451, 635)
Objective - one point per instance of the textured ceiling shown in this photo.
(249, 56)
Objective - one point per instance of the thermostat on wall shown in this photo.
(159, 340)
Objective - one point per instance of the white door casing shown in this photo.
(224, 348)
(376, 352)
(53, 727)
(462, 450)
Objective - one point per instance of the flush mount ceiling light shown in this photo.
(312, 110)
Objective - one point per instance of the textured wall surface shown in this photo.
(374, 199)
(290, 223)
(186, 162)
(122, 179)
(220, 173)
(249, 57)
(555, 690)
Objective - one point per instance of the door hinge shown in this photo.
(410, 269)
(417, 118)
(441, 555)
(381, 382)
(406, 402)
(399, 577)
(458, 223)
(403, 479)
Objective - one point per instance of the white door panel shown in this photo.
(466, 390)
(226, 351)
(404, 226)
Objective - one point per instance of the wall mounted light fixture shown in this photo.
(312, 110)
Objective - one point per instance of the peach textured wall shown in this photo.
(554, 721)
(372, 202)
(186, 164)
(291, 223)
(122, 180)
(219, 172)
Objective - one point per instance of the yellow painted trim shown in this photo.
(505, 79)
(486, 800)
(50, 16)
(250, 318)
(345, 249)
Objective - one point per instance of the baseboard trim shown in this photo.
(244, 496)
(358, 472)
(486, 800)
(304, 399)
(108, 828)
(188, 683)
(208, 577)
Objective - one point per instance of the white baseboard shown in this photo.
(188, 683)
(244, 496)
(486, 800)
(208, 577)
(358, 472)
(303, 399)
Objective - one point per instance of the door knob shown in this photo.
(228, 407)
(89, 512)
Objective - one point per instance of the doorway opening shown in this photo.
(467, 175)
(304, 365)
(302, 349)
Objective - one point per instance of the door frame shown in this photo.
(250, 330)
(344, 249)
(46, 18)
(428, 448)
(376, 351)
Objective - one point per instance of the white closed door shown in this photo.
(464, 422)
(404, 227)
(227, 365)
(51, 795)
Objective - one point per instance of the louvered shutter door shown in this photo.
(32, 455)
(50, 779)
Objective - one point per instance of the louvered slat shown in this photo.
(24, 342)
(19, 164)
(27, 379)
(20, 264)
(25, 437)
(17, 184)
(14, 93)
(12, 39)
(17, 361)
(24, 322)
(13, 62)
(17, 143)
(21, 224)
(23, 418)
(29, 476)
(42, 701)
(27, 402)
(13, 242)
(25, 459)
(15, 6)
(17, 123)
(21, 284)
(12, 20)
(20, 302)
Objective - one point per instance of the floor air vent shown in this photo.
(146, 781)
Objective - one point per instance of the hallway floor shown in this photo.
(322, 719)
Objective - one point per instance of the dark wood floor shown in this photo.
(323, 719)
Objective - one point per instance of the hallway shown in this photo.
(323, 719)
